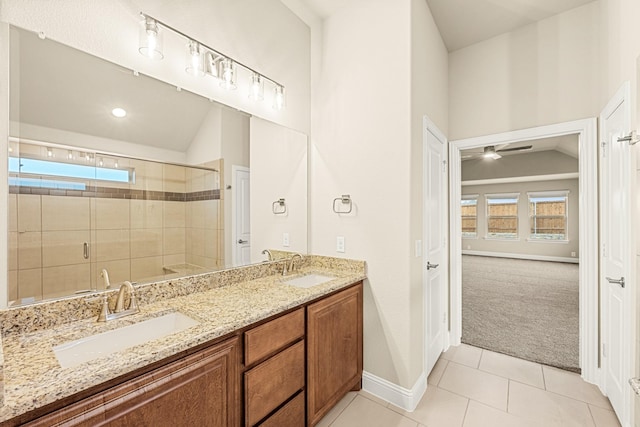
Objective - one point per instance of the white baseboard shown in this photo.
(522, 256)
(399, 396)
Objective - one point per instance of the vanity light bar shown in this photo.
(204, 59)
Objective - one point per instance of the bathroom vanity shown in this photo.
(263, 353)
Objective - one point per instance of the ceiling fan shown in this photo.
(490, 152)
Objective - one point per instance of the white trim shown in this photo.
(550, 193)
(404, 398)
(522, 256)
(588, 226)
(502, 196)
(532, 178)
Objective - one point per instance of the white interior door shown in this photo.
(435, 226)
(242, 235)
(615, 279)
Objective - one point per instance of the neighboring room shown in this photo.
(520, 246)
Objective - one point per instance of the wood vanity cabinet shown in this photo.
(288, 371)
(198, 390)
(334, 350)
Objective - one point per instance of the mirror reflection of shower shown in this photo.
(81, 220)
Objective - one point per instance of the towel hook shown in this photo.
(279, 207)
(345, 199)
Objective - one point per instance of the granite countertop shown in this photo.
(33, 377)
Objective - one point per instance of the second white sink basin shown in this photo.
(308, 280)
(74, 353)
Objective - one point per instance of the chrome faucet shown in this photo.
(268, 253)
(292, 265)
(119, 310)
(105, 278)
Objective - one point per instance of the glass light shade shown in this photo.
(278, 98)
(195, 59)
(228, 74)
(150, 44)
(256, 90)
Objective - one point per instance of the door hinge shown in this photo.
(444, 320)
(444, 166)
(604, 250)
(604, 350)
(603, 144)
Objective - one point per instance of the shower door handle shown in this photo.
(86, 250)
(619, 281)
(430, 266)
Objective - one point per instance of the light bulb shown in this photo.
(116, 164)
(278, 100)
(101, 162)
(256, 91)
(119, 112)
(211, 66)
(150, 44)
(228, 74)
(49, 152)
(70, 155)
(194, 59)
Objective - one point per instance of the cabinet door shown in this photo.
(199, 390)
(334, 350)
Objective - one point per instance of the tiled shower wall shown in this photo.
(167, 221)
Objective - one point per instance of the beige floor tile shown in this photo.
(604, 417)
(548, 409)
(363, 412)
(438, 408)
(437, 371)
(464, 355)
(479, 415)
(337, 410)
(477, 385)
(513, 368)
(378, 400)
(571, 385)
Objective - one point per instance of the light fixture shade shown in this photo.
(228, 74)
(256, 90)
(195, 59)
(278, 97)
(150, 44)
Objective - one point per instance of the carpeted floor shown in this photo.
(527, 309)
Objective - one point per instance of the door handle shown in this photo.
(242, 241)
(85, 250)
(619, 281)
(430, 266)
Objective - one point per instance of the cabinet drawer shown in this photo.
(272, 382)
(290, 415)
(270, 337)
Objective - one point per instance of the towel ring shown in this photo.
(345, 199)
(279, 207)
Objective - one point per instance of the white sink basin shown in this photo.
(309, 280)
(74, 353)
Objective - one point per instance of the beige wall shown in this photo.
(543, 73)
(521, 246)
(278, 170)
(367, 132)
(518, 165)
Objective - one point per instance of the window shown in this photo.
(68, 170)
(502, 216)
(469, 209)
(548, 215)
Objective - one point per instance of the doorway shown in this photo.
(588, 249)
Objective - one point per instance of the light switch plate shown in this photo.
(340, 244)
(285, 240)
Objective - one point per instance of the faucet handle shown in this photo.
(104, 311)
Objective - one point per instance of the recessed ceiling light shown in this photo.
(119, 112)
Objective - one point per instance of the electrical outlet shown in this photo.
(285, 240)
(340, 244)
(573, 254)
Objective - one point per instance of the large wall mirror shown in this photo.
(114, 175)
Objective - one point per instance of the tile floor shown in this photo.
(471, 387)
